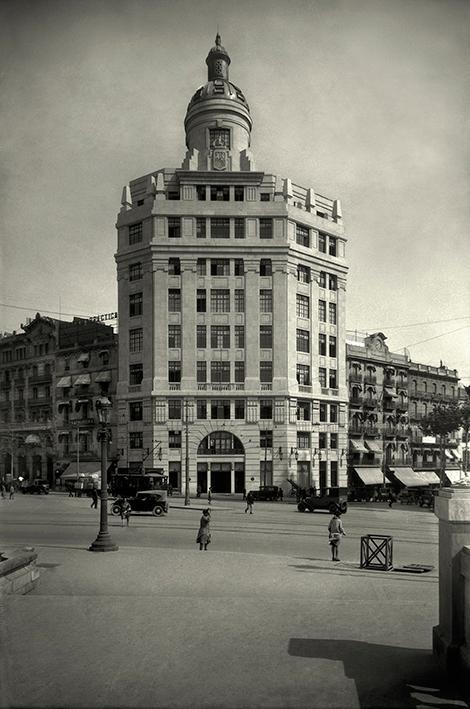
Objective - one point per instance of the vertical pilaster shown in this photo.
(188, 323)
(252, 323)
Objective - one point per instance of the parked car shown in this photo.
(266, 492)
(37, 487)
(145, 501)
(333, 500)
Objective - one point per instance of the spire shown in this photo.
(217, 61)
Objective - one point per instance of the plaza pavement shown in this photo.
(153, 627)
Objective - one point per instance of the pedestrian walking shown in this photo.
(204, 533)
(12, 491)
(209, 496)
(127, 512)
(280, 494)
(391, 499)
(94, 495)
(170, 490)
(335, 532)
(3, 489)
(249, 502)
(198, 491)
(70, 487)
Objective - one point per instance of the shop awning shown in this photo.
(103, 376)
(370, 476)
(454, 475)
(390, 392)
(450, 454)
(410, 477)
(64, 405)
(64, 382)
(85, 468)
(33, 440)
(358, 446)
(373, 446)
(82, 379)
(84, 357)
(430, 476)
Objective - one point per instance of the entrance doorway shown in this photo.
(239, 477)
(202, 476)
(220, 477)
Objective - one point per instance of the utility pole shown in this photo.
(187, 500)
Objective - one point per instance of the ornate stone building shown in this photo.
(231, 287)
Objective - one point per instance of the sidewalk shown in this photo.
(170, 628)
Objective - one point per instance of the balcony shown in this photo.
(370, 402)
(389, 382)
(389, 404)
(356, 429)
(371, 431)
(401, 405)
(355, 401)
(41, 378)
(225, 386)
(302, 387)
(44, 401)
(355, 377)
(82, 422)
(368, 379)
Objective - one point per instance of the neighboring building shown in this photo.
(388, 396)
(38, 413)
(231, 287)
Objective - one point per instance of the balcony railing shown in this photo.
(368, 379)
(223, 386)
(389, 404)
(355, 376)
(356, 401)
(370, 401)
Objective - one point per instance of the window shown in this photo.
(135, 411)
(173, 194)
(333, 440)
(220, 300)
(303, 439)
(333, 379)
(239, 267)
(303, 306)
(332, 313)
(174, 371)
(239, 372)
(323, 411)
(135, 271)
(174, 268)
(174, 300)
(303, 410)
(135, 233)
(322, 242)
(266, 336)
(201, 227)
(201, 300)
(332, 245)
(174, 227)
(174, 335)
(201, 409)
(303, 341)
(201, 372)
(201, 338)
(303, 273)
(334, 473)
(239, 408)
(265, 438)
(332, 281)
(265, 228)
(220, 228)
(135, 439)
(303, 374)
(266, 408)
(220, 372)
(264, 197)
(239, 301)
(220, 336)
(266, 372)
(322, 310)
(240, 336)
(332, 343)
(174, 439)
(302, 236)
(135, 304)
(239, 193)
(220, 409)
(174, 409)
(265, 267)
(322, 376)
(266, 472)
(239, 228)
(136, 374)
(333, 413)
(220, 267)
(322, 281)
(266, 300)
(322, 344)
(201, 193)
(322, 439)
(201, 267)
(136, 338)
(219, 193)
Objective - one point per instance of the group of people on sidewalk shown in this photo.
(4, 488)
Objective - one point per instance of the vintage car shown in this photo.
(332, 499)
(37, 487)
(266, 492)
(144, 501)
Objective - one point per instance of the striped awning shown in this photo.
(64, 382)
(103, 376)
(373, 446)
(411, 478)
(82, 379)
(358, 446)
(370, 476)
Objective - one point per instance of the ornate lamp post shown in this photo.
(103, 541)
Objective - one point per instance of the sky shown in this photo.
(363, 100)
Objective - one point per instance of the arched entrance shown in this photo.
(221, 463)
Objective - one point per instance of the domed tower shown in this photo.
(218, 122)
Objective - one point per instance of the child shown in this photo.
(335, 530)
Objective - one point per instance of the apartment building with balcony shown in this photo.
(231, 299)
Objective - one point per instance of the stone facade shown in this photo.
(231, 288)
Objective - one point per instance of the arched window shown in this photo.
(415, 385)
(443, 390)
(220, 443)
(425, 387)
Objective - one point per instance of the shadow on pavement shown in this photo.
(346, 567)
(385, 676)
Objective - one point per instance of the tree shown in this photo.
(444, 419)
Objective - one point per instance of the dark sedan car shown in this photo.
(333, 500)
(266, 492)
(145, 501)
(37, 487)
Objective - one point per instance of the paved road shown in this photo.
(263, 619)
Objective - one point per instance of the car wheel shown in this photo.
(301, 507)
(115, 509)
(157, 511)
(333, 508)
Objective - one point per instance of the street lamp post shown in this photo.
(103, 541)
(187, 500)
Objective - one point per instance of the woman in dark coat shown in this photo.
(204, 533)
